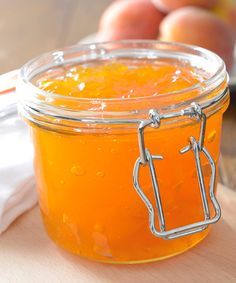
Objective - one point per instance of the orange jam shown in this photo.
(120, 80)
(86, 192)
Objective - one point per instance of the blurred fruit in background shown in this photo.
(170, 5)
(226, 10)
(130, 19)
(207, 23)
(197, 26)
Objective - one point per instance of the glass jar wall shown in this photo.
(86, 147)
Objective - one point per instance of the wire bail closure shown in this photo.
(146, 158)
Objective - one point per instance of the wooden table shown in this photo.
(27, 255)
(228, 147)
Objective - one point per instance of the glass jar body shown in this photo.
(87, 197)
(86, 150)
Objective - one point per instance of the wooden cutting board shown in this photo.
(27, 255)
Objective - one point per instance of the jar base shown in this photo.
(143, 261)
(110, 261)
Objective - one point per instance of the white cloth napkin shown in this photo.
(17, 189)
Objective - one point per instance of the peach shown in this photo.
(232, 19)
(170, 5)
(199, 27)
(130, 19)
(226, 10)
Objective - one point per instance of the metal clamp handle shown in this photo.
(147, 159)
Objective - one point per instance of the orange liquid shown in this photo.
(86, 193)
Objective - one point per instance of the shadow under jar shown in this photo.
(126, 179)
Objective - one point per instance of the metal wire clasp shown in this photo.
(197, 146)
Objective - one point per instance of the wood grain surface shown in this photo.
(228, 147)
(29, 28)
(27, 255)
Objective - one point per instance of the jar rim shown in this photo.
(214, 78)
(29, 93)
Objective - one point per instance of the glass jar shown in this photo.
(126, 181)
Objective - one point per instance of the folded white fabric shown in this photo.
(17, 189)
